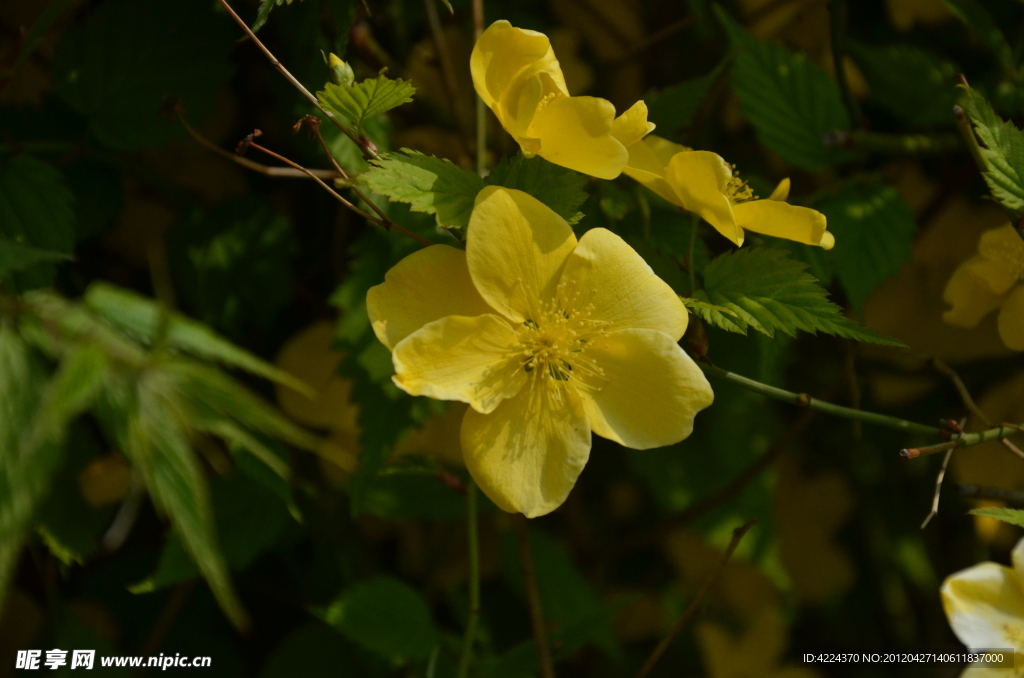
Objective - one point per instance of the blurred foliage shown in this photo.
(155, 297)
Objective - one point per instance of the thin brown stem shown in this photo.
(368, 151)
(168, 615)
(265, 170)
(655, 38)
(481, 108)
(961, 389)
(938, 490)
(384, 222)
(540, 633)
(694, 607)
(451, 84)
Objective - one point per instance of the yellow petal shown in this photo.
(781, 191)
(505, 54)
(632, 126)
(969, 294)
(575, 132)
(460, 358)
(427, 285)
(700, 178)
(1011, 320)
(438, 438)
(528, 453)
(653, 389)
(782, 220)
(644, 166)
(985, 606)
(1004, 249)
(309, 356)
(663, 149)
(828, 241)
(618, 287)
(516, 247)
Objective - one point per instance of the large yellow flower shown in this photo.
(703, 183)
(516, 73)
(546, 338)
(985, 607)
(990, 280)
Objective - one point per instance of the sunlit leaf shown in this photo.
(367, 99)
(559, 188)
(1003, 150)
(1007, 515)
(769, 291)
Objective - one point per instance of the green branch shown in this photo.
(804, 400)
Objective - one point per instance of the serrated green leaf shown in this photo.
(119, 66)
(386, 616)
(910, 82)
(701, 307)
(72, 390)
(428, 184)
(1006, 515)
(1003, 150)
(981, 23)
(769, 291)
(367, 99)
(25, 472)
(140, 318)
(874, 230)
(672, 109)
(791, 102)
(37, 221)
(263, 13)
(157, 442)
(559, 188)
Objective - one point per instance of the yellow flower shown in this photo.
(990, 280)
(703, 183)
(546, 338)
(985, 607)
(516, 73)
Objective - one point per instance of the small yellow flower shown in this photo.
(990, 280)
(985, 607)
(516, 73)
(546, 338)
(703, 183)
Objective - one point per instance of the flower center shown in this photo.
(553, 343)
(737, 189)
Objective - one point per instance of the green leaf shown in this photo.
(702, 308)
(792, 103)
(559, 188)
(1007, 515)
(874, 230)
(981, 23)
(73, 389)
(909, 82)
(249, 520)
(263, 13)
(769, 291)
(1003, 150)
(672, 109)
(17, 257)
(157, 442)
(428, 184)
(140, 318)
(25, 472)
(119, 66)
(386, 616)
(367, 99)
(37, 221)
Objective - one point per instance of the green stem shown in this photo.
(837, 14)
(481, 109)
(963, 123)
(804, 400)
(689, 263)
(466, 658)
